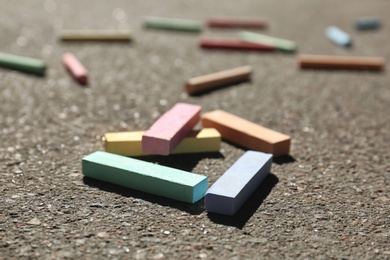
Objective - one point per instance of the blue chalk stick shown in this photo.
(368, 23)
(338, 36)
(233, 188)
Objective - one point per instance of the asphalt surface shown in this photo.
(328, 199)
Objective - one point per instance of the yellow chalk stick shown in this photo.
(130, 143)
(95, 35)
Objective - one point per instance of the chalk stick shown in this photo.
(368, 23)
(233, 44)
(144, 176)
(95, 35)
(130, 143)
(212, 81)
(340, 62)
(337, 36)
(73, 65)
(280, 44)
(24, 64)
(172, 24)
(236, 185)
(246, 133)
(221, 22)
(170, 129)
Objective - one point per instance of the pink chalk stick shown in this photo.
(75, 68)
(170, 129)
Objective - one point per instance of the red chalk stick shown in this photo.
(170, 129)
(237, 23)
(77, 69)
(233, 44)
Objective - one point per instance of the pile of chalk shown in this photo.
(173, 133)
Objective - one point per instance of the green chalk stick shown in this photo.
(281, 44)
(145, 176)
(172, 24)
(22, 63)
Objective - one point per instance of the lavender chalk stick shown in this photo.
(170, 129)
(234, 187)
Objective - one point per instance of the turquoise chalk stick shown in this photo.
(144, 176)
(22, 63)
(236, 185)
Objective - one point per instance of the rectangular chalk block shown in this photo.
(172, 24)
(144, 176)
(170, 129)
(280, 44)
(74, 66)
(246, 133)
(337, 36)
(221, 22)
(201, 84)
(236, 185)
(130, 143)
(233, 44)
(24, 64)
(368, 23)
(340, 62)
(95, 35)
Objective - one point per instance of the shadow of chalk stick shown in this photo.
(250, 206)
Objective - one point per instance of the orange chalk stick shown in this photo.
(77, 69)
(340, 62)
(246, 133)
(212, 81)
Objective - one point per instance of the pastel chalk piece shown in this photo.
(368, 23)
(233, 44)
(247, 134)
(201, 84)
(227, 195)
(338, 36)
(279, 44)
(144, 176)
(75, 67)
(95, 35)
(23, 64)
(130, 143)
(172, 24)
(170, 129)
(340, 62)
(225, 22)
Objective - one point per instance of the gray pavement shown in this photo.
(329, 199)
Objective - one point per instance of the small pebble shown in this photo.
(158, 256)
(321, 216)
(34, 221)
(114, 251)
(102, 235)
